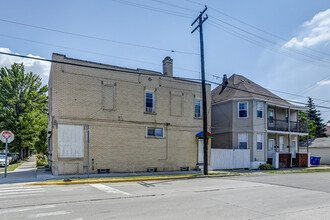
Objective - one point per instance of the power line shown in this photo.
(180, 14)
(91, 52)
(314, 57)
(134, 71)
(267, 96)
(256, 28)
(97, 38)
(263, 45)
(301, 53)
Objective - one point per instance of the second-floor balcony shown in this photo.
(283, 125)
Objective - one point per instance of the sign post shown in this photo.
(6, 137)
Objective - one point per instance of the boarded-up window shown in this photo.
(176, 104)
(70, 141)
(108, 97)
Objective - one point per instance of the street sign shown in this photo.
(6, 136)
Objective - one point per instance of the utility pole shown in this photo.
(201, 20)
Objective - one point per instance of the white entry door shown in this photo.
(294, 148)
(200, 151)
(270, 148)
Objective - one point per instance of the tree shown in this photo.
(315, 115)
(23, 108)
(310, 128)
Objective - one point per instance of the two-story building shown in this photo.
(248, 116)
(137, 119)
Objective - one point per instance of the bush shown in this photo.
(266, 167)
(42, 160)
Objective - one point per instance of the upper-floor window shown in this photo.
(155, 132)
(197, 108)
(242, 141)
(242, 109)
(260, 109)
(259, 141)
(150, 102)
(286, 115)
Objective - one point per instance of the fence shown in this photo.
(230, 158)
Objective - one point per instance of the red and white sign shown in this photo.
(6, 136)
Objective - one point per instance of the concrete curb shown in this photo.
(121, 180)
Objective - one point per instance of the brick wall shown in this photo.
(285, 160)
(119, 141)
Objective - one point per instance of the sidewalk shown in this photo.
(27, 172)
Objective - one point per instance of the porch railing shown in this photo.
(283, 125)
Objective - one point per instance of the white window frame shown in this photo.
(262, 141)
(200, 108)
(153, 101)
(262, 109)
(247, 109)
(154, 136)
(247, 140)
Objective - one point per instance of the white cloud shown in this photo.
(323, 82)
(316, 31)
(42, 68)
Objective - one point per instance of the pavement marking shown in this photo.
(48, 214)
(13, 210)
(22, 192)
(21, 187)
(19, 190)
(108, 189)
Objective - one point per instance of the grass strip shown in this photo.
(12, 167)
(298, 171)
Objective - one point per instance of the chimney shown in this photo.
(168, 66)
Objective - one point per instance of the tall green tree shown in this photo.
(23, 108)
(315, 115)
(311, 127)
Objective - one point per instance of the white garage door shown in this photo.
(70, 141)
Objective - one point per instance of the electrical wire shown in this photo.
(134, 71)
(97, 38)
(91, 52)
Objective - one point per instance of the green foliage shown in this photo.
(266, 167)
(311, 126)
(41, 160)
(315, 115)
(23, 108)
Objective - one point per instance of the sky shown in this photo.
(281, 45)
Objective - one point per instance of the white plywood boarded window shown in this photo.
(70, 141)
(108, 97)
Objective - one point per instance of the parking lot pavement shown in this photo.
(262, 197)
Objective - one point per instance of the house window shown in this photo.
(259, 141)
(155, 132)
(150, 102)
(286, 115)
(197, 108)
(260, 108)
(242, 141)
(242, 110)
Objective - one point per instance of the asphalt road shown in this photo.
(287, 196)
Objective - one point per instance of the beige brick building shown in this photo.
(138, 119)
